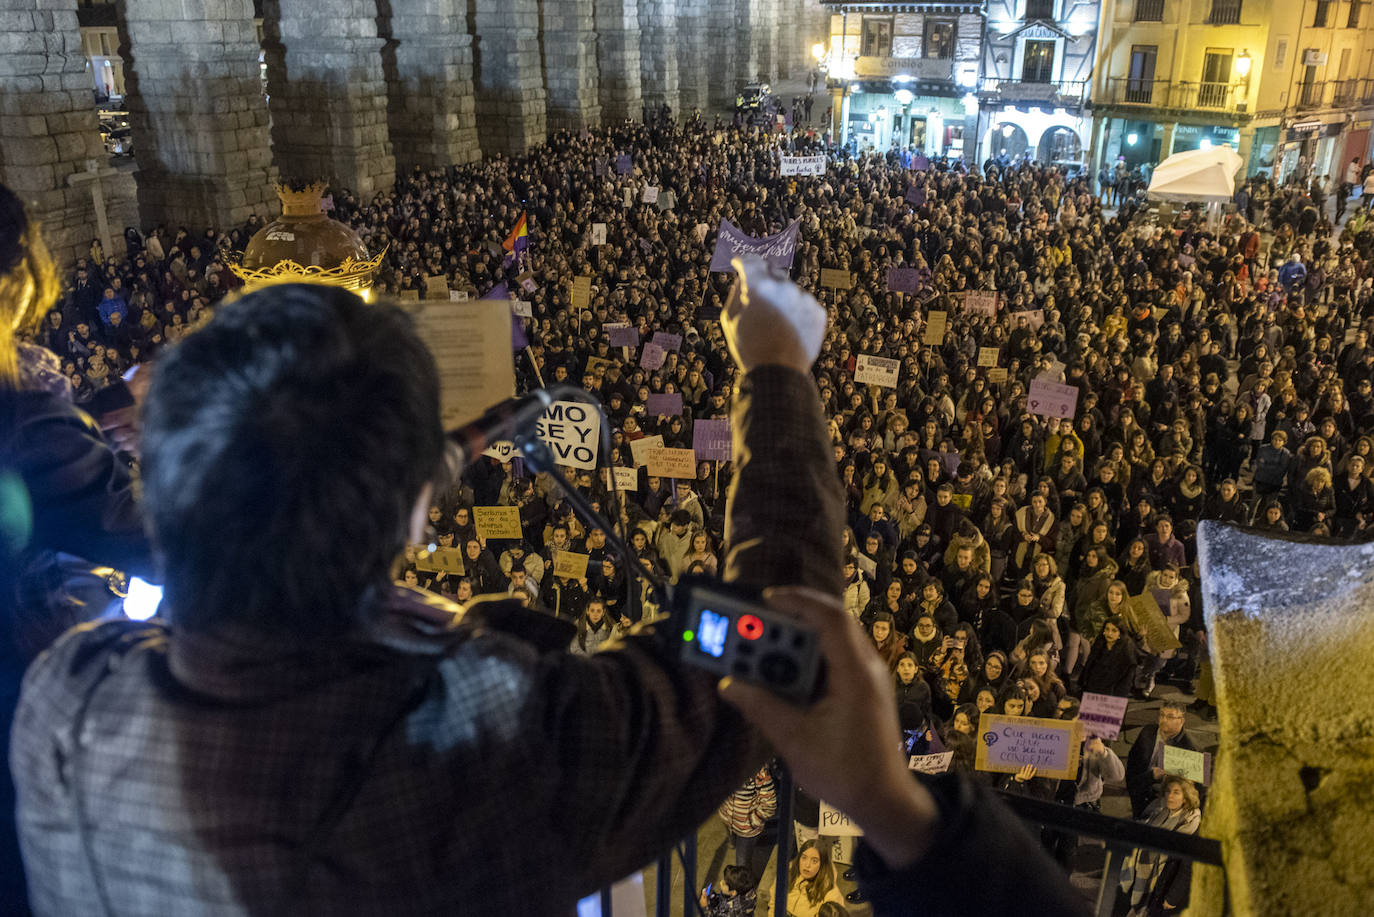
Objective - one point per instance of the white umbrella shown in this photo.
(1196, 175)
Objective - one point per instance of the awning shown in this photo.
(1196, 175)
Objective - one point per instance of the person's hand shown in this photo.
(1157, 773)
(625, 622)
(768, 320)
(844, 745)
(1025, 774)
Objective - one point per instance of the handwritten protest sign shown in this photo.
(622, 478)
(711, 440)
(527, 282)
(1051, 399)
(981, 302)
(732, 242)
(497, 521)
(598, 233)
(669, 342)
(802, 165)
(620, 334)
(876, 370)
(903, 280)
(624, 165)
(566, 563)
(1144, 616)
(521, 308)
(1008, 743)
(1101, 715)
(650, 194)
(581, 292)
(935, 327)
(502, 450)
(599, 366)
(640, 448)
(931, 764)
(1035, 318)
(1191, 765)
(471, 347)
(436, 287)
(440, 560)
(835, 823)
(411, 295)
(987, 356)
(573, 431)
(997, 374)
(836, 279)
(666, 405)
(666, 462)
(652, 356)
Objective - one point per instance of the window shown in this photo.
(1149, 10)
(1141, 83)
(1280, 54)
(1353, 21)
(1323, 11)
(1216, 78)
(877, 38)
(1224, 12)
(1039, 9)
(1037, 63)
(939, 39)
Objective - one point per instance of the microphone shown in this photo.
(501, 421)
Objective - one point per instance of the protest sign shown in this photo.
(835, 823)
(650, 194)
(527, 282)
(624, 165)
(876, 370)
(666, 405)
(666, 462)
(701, 230)
(581, 292)
(471, 347)
(671, 342)
(711, 440)
(621, 478)
(963, 501)
(440, 560)
(903, 280)
(640, 448)
(1101, 715)
(1191, 765)
(667, 200)
(981, 302)
(598, 233)
(836, 279)
(997, 374)
(1051, 399)
(935, 328)
(570, 565)
(1008, 743)
(411, 295)
(916, 195)
(497, 521)
(950, 462)
(599, 167)
(987, 356)
(572, 430)
(501, 450)
(1145, 617)
(732, 242)
(1034, 317)
(521, 308)
(599, 365)
(646, 246)
(436, 287)
(930, 764)
(920, 163)
(620, 334)
(802, 165)
(652, 356)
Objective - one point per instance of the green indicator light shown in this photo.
(688, 636)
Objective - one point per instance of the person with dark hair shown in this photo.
(735, 895)
(289, 447)
(811, 881)
(1145, 763)
(1112, 661)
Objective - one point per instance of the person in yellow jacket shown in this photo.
(811, 881)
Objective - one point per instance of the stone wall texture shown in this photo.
(618, 59)
(658, 53)
(571, 72)
(427, 62)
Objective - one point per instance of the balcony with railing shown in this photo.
(1224, 12)
(1175, 94)
(1310, 95)
(1056, 93)
(1149, 10)
(1344, 92)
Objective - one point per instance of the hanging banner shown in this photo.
(802, 165)
(731, 242)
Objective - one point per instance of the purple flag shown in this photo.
(732, 241)
(711, 440)
(667, 405)
(518, 340)
(903, 280)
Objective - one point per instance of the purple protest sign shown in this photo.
(652, 356)
(731, 241)
(1050, 399)
(711, 440)
(916, 196)
(621, 335)
(1101, 715)
(903, 280)
(668, 405)
(668, 341)
(920, 163)
(624, 164)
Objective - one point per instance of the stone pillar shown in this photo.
(199, 119)
(328, 94)
(693, 86)
(1166, 139)
(1290, 638)
(618, 59)
(49, 138)
(427, 60)
(1244, 142)
(726, 33)
(509, 74)
(658, 53)
(570, 66)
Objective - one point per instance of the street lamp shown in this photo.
(1243, 64)
(818, 51)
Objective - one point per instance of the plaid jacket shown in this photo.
(421, 768)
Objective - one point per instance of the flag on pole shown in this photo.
(517, 241)
(518, 340)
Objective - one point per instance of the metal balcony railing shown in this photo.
(1056, 92)
(1178, 94)
(1310, 95)
(1149, 10)
(1224, 12)
(1343, 92)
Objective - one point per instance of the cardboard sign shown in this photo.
(624, 165)
(836, 279)
(1146, 619)
(621, 478)
(502, 450)
(573, 431)
(497, 521)
(620, 334)
(981, 302)
(440, 560)
(527, 282)
(935, 328)
(1101, 715)
(581, 293)
(670, 342)
(930, 764)
(471, 347)
(599, 366)
(903, 280)
(665, 462)
(459, 296)
(667, 405)
(640, 448)
(1008, 743)
(521, 308)
(598, 233)
(987, 356)
(573, 566)
(876, 370)
(701, 230)
(436, 287)
(963, 501)
(1051, 399)
(711, 440)
(1191, 765)
(997, 374)
(802, 165)
(652, 356)
(411, 295)
(1034, 317)
(650, 194)
(835, 823)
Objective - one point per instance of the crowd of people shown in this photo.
(1001, 560)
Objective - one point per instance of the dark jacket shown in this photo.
(1140, 782)
(1110, 671)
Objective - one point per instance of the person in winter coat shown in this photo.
(1034, 523)
(746, 812)
(856, 593)
(1354, 497)
(1111, 664)
(890, 643)
(594, 629)
(1155, 884)
(880, 487)
(810, 882)
(966, 535)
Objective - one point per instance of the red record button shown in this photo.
(749, 627)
